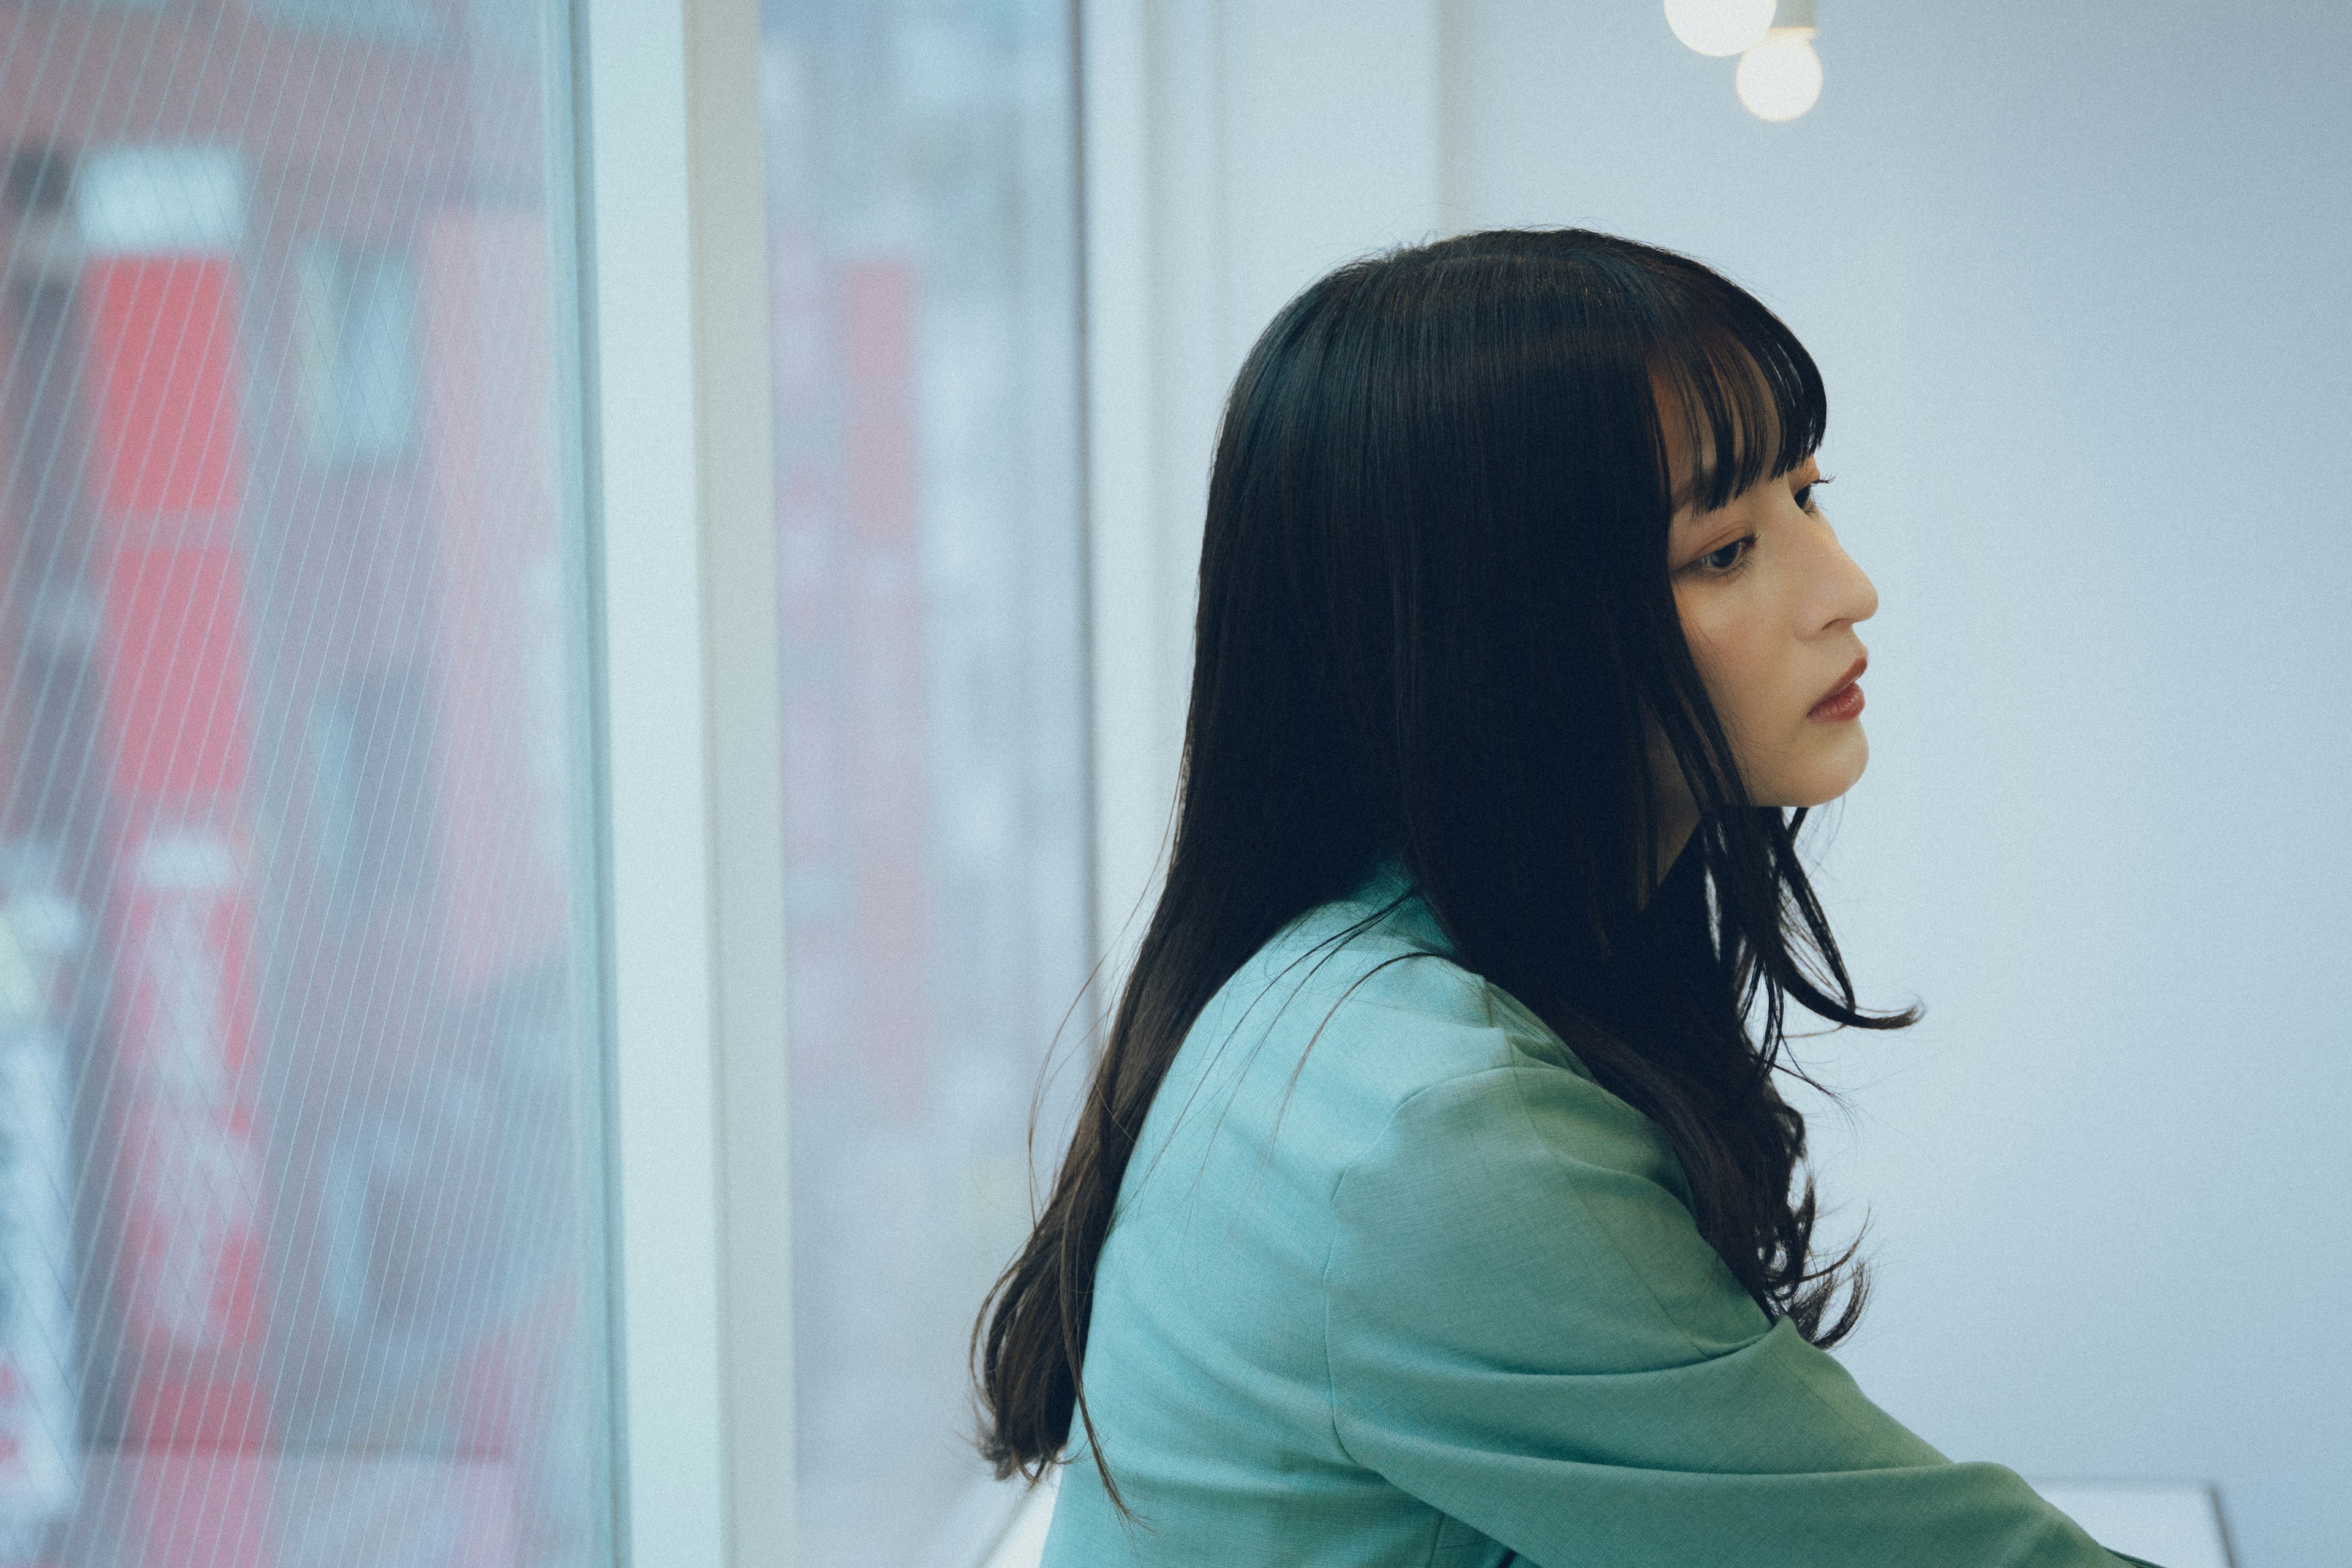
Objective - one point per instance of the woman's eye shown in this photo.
(1730, 557)
(1805, 494)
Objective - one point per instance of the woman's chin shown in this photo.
(1833, 768)
(1856, 760)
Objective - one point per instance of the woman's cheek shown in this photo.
(1726, 665)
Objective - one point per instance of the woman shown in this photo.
(1432, 1199)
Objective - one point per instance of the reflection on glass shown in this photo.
(924, 304)
(298, 1247)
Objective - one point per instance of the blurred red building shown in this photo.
(284, 683)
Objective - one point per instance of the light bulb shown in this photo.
(1781, 78)
(1719, 26)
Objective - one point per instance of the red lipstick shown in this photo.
(1843, 700)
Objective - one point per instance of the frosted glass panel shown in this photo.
(300, 1234)
(925, 305)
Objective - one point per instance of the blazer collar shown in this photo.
(1412, 920)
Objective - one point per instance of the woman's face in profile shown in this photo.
(1769, 603)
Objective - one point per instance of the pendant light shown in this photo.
(1719, 26)
(1779, 76)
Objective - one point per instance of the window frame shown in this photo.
(677, 491)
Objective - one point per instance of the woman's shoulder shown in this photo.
(1350, 1011)
(1363, 1111)
(1384, 971)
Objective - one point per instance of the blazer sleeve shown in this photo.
(1525, 1329)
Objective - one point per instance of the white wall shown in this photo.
(2076, 277)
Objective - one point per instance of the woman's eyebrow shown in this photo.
(1698, 484)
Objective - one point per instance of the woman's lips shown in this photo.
(1847, 704)
(1843, 700)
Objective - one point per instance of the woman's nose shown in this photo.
(1848, 592)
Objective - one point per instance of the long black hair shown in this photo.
(1437, 621)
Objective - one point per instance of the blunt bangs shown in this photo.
(1748, 396)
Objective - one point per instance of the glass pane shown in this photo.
(300, 1226)
(925, 305)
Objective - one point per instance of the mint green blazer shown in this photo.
(1435, 1297)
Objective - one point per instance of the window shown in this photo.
(301, 1215)
(925, 302)
(354, 339)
